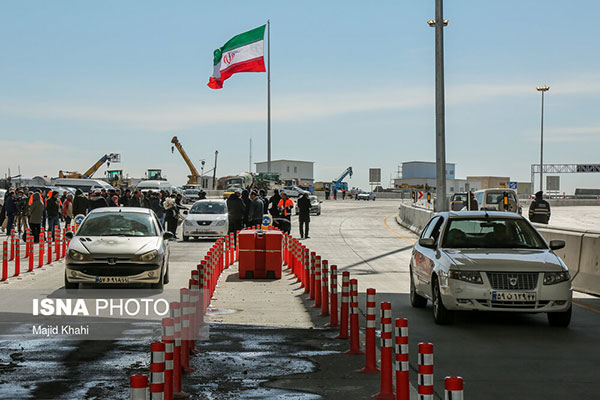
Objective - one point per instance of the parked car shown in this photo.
(293, 191)
(206, 218)
(118, 246)
(458, 201)
(315, 205)
(488, 261)
(366, 196)
(190, 196)
(493, 200)
(2, 194)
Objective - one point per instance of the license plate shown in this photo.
(112, 279)
(513, 296)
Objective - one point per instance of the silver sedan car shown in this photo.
(118, 246)
(488, 261)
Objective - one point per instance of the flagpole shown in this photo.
(268, 96)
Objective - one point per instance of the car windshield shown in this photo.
(495, 233)
(117, 224)
(459, 197)
(498, 197)
(208, 207)
(312, 198)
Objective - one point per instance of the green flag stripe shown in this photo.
(240, 40)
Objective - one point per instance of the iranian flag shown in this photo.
(242, 53)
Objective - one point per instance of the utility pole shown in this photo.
(542, 89)
(441, 202)
(214, 182)
(250, 158)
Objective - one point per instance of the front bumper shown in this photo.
(205, 231)
(459, 295)
(135, 273)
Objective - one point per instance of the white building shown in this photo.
(300, 171)
(422, 175)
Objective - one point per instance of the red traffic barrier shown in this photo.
(157, 371)
(4, 260)
(176, 315)
(354, 327)
(387, 385)
(137, 387)
(49, 247)
(185, 330)
(344, 308)
(317, 282)
(370, 336)
(41, 253)
(64, 244)
(306, 264)
(30, 259)
(312, 275)
(425, 378)
(454, 388)
(168, 338)
(333, 299)
(17, 258)
(324, 289)
(12, 245)
(402, 388)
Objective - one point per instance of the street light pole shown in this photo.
(542, 89)
(441, 203)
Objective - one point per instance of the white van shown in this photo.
(85, 185)
(493, 200)
(155, 186)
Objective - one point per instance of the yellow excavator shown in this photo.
(194, 177)
(107, 158)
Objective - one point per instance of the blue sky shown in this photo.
(352, 85)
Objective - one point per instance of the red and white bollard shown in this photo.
(168, 338)
(387, 383)
(185, 330)
(333, 298)
(157, 371)
(454, 388)
(402, 387)
(17, 257)
(49, 247)
(12, 244)
(138, 386)
(30, 259)
(175, 308)
(425, 379)
(370, 335)
(313, 256)
(354, 327)
(306, 264)
(57, 239)
(344, 309)
(41, 253)
(64, 243)
(324, 288)
(4, 260)
(317, 282)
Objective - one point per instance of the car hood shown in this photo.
(115, 245)
(206, 217)
(504, 259)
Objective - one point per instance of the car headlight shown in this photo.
(551, 278)
(466, 276)
(188, 222)
(149, 256)
(77, 256)
(220, 223)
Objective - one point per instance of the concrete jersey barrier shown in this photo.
(413, 218)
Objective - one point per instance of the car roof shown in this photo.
(480, 214)
(121, 209)
(211, 201)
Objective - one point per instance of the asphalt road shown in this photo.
(499, 355)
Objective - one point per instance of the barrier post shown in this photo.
(232, 248)
(227, 252)
(12, 244)
(176, 315)
(387, 385)
(344, 308)
(30, 243)
(49, 248)
(185, 330)
(425, 378)
(333, 298)
(57, 239)
(41, 253)
(17, 257)
(370, 339)
(305, 262)
(168, 338)
(317, 282)
(324, 289)
(64, 243)
(27, 234)
(157, 370)
(401, 350)
(312, 275)
(453, 388)
(138, 385)
(4, 260)
(354, 325)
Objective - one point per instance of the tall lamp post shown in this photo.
(542, 89)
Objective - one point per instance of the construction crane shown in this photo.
(194, 177)
(338, 183)
(107, 158)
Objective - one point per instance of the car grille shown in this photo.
(512, 304)
(204, 223)
(513, 280)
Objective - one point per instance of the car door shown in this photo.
(427, 256)
(419, 254)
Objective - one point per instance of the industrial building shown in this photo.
(302, 172)
(422, 175)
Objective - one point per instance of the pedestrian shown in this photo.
(235, 211)
(304, 215)
(146, 199)
(3, 211)
(11, 210)
(327, 192)
(539, 210)
(20, 212)
(274, 203)
(171, 215)
(53, 211)
(135, 200)
(35, 211)
(80, 203)
(247, 201)
(335, 193)
(285, 206)
(343, 193)
(256, 211)
(201, 195)
(97, 201)
(124, 200)
(265, 200)
(67, 209)
(473, 204)
(157, 207)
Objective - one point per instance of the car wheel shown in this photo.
(166, 278)
(70, 285)
(186, 238)
(161, 283)
(560, 318)
(416, 300)
(441, 315)
(319, 213)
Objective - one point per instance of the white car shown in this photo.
(366, 196)
(293, 191)
(315, 205)
(488, 261)
(206, 218)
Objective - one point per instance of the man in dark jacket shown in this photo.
(53, 210)
(97, 201)
(136, 200)
(235, 210)
(11, 210)
(539, 210)
(157, 207)
(273, 202)
(124, 200)
(256, 211)
(304, 215)
(247, 201)
(80, 204)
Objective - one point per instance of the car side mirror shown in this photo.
(168, 235)
(69, 235)
(427, 242)
(557, 244)
(185, 212)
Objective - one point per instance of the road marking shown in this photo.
(394, 232)
(588, 306)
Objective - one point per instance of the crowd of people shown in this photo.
(25, 209)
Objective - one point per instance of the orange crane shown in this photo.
(194, 176)
(107, 158)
